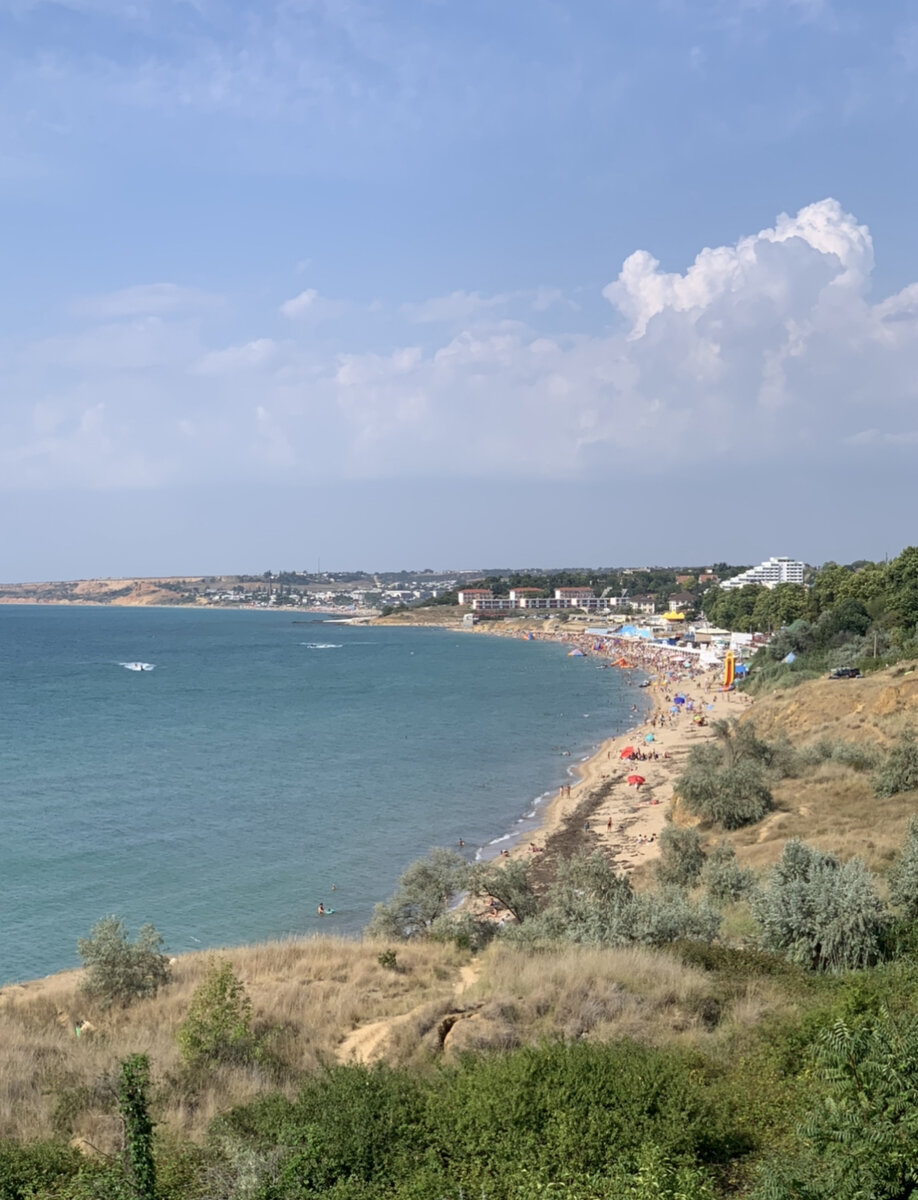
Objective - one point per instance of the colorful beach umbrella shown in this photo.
(628, 752)
(637, 780)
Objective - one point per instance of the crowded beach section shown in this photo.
(619, 798)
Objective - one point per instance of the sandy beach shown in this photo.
(599, 809)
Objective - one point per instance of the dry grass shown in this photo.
(634, 992)
(313, 992)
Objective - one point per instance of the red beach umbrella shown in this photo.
(637, 780)
(627, 752)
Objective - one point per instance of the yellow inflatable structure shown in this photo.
(729, 669)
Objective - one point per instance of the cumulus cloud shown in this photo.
(771, 351)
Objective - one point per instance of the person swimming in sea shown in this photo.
(322, 910)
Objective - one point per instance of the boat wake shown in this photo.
(322, 645)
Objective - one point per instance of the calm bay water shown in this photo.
(221, 794)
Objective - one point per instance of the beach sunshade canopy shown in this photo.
(637, 780)
(678, 699)
(627, 752)
(648, 737)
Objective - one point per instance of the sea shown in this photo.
(220, 773)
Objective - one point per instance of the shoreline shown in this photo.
(599, 809)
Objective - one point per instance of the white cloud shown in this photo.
(461, 306)
(310, 306)
(770, 351)
(237, 358)
(147, 299)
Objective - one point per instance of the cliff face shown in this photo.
(124, 592)
(873, 709)
(831, 804)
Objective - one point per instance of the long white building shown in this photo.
(769, 574)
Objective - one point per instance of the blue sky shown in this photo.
(444, 283)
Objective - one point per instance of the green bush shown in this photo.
(119, 971)
(36, 1169)
(723, 878)
(681, 856)
(423, 893)
(820, 912)
(899, 773)
(218, 1027)
(591, 904)
(574, 1120)
(508, 882)
(730, 796)
(859, 1139)
(903, 878)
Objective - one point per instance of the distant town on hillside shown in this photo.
(490, 591)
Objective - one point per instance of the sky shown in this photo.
(447, 283)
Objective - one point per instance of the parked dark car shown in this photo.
(845, 673)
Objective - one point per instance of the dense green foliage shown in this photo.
(681, 856)
(862, 615)
(133, 1108)
(423, 893)
(586, 1117)
(723, 878)
(119, 971)
(899, 771)
(820, 912)
(218, 1027)
(903, 877)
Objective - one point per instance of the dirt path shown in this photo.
(368, 1043)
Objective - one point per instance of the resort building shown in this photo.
(680, 601)
(769, 574)
(468, 595)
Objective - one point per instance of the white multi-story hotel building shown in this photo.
(769, 574)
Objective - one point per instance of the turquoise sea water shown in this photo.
(222, 794)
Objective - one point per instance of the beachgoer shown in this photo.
(322, 910)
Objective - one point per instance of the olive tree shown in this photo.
(119, 971)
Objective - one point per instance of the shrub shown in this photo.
(724, 879)
(40, 1168)
(463, 930)
(217, 1028)
(424, 890)
(899, 773)
(669, 916)
(118, 970)
(859, 1139)
(819, 912)
(681, 856)
(903, 878)
(591, 904)
(731, 797)
(507, 882)
(133, 1086)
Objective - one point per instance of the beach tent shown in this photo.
(648, 737)
(678, 699)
